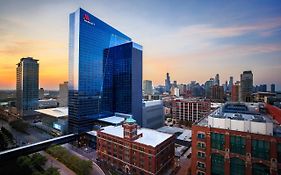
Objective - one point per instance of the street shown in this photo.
(52, 162)
(96, 170)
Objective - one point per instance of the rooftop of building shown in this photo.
(54, 112)
(149, 137)
(152, 103)
(264, 93)
(182, 134)
(248, 112)
(115, 120)
(193, 99)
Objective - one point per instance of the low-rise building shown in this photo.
(237, 138)
(135, 150)
(262, 96)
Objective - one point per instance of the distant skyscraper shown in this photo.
(27, 86)
(230, 83)
(261, 88)
(217, 80)
(63, 94)
(272, 88)
(41, 93)
(91, 42)
(168, 83)
(235, 92)
(208, 87)
(147, 87)
(217, 93)
(175, 83)
(246, 86)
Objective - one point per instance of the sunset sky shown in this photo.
(192, 40)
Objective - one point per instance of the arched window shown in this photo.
(237, 166)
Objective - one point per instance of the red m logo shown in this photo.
(86, 17)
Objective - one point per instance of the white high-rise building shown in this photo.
(63, 94)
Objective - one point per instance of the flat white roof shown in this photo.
(149, 136)
(170, 129)
(54, 112)
(186, 135)
(112, 120)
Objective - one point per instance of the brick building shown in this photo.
(236, 139)
(134, 150)
(190, 109)
(235, 93)
(217, 93)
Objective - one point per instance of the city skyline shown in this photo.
(182, 38)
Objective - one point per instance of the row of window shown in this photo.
(260, 148)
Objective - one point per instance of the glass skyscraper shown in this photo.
(27, 86)
(122, 88)
(91, 42)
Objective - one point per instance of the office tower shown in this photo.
(272, 88)
(147, 87)
(168, 83)
(246, 86)
(122, 86)
(63, 94)
(230, 83)
(261, 88)
(134, 150)
(217, 93)
(41, 93)
(175, 91)
(235, 92)
(237, 139)
(217, 80)
(190, 109)
(225, 87)
(89, 38)
(175, 84)
(208, 87)
(27, 86)
(153, 114)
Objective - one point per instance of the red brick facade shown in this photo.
(271, 163)
(132, 157)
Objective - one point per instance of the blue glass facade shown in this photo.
(123, 80)
(89, 38)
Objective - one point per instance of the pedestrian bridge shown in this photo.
(35, 147)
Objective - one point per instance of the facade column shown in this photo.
(248, 162)
(227, 157)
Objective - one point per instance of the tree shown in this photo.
(38, 159)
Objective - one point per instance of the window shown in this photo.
(237, 144)
(201, 165)
(279, 153)
(217, 141)
(201, 136)
(217, 167)
(260, 149)
(237, 166)
(201, 155)
(200, 173)
(201, 145)
(260, 169)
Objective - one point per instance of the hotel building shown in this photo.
(105, 72)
